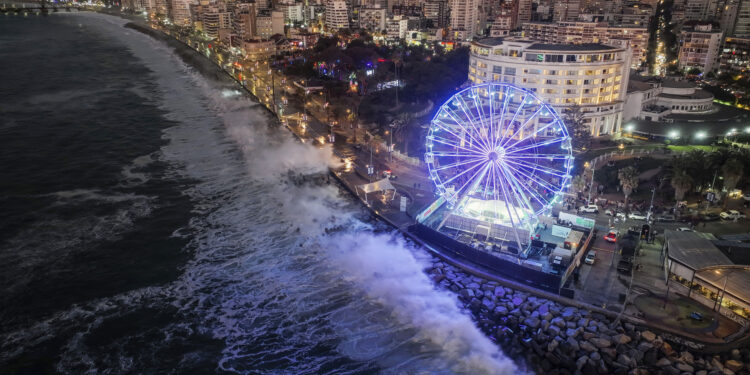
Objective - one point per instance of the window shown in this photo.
(510, 71)
(570, 58)
(553, 58)
(551, 82)
(572, 72)
(497, 69)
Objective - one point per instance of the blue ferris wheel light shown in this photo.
(501, 144)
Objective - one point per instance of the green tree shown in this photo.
(681, 182)
(628, 177)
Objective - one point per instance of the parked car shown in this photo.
(711, 217)
(625, 267)
(731, 215)
(590, 257)
(589, 209)
(637, 216)
(666, 218)
(746, 196)
(684, 229)
(611, 236)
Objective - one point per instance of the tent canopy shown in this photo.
(380, 185)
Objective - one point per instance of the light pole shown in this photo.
(651, 206)
(390, 149)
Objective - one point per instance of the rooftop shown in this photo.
(697, 94)
(677, 84)
(694, 250)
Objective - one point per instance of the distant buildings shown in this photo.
(593, 76)
(591, 32)
(269, 23)
(735, 56)
(372, 19)
(463, 18)
(337, 15)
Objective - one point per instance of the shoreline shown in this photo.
(473, 288)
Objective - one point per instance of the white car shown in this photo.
(589, 209)
(637, 216)
(746, 196)
(731, 215)
(684, 229)
(590, 257)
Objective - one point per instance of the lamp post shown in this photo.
(651, 206)
(593, 169)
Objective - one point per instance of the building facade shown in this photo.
(735, 56)
(337, 15)
(269, 23)
(372, 19)
(591, 76)
(655, 99)
(699, 48)
(464, 17)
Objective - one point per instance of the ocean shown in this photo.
(148, 226)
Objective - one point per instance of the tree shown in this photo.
(681, 182)
(732, 172)
(578, 183)
(628, 177)
(579, 132)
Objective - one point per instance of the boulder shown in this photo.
(569, 312)
(671, 370)
(532, 322)
(467, 293)
(517, 300)
(687, 358)
(600, 342)
(648, 336)
(644, 346)
(684, 367)
(500, 310)
(499, 292)
(610, 352)
(734, 365)
(573, 343)
(570, 332)
(581, 361)
(488, 304)
(553, 330)
(559, 322)
(664, 361)
(587, 346)
(621, 338)
(624, 360)
(735, 354)
(553, 344)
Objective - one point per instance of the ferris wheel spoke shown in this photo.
(532, 134)
(503, 112)
(449, 143)
(480, 112)
(458, 164)
(452, 154)
(510, 216)
(461, 174)
(541, 156)
(537, 167)
(523, 126)
(445, 127)
(515, 114)
(541, 182)
(473, 181)
(536, 145)
(520, 185)
(523, 201)
(470, 134)
(473, 126)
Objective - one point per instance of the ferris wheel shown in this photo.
(498, 152)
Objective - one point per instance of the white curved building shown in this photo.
(592, 76)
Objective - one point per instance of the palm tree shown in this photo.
(628, 177)
(681, 182)
(732, 172)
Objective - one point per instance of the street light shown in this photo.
(630, 128)
(674, 134)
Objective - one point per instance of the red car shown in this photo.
(611, 236)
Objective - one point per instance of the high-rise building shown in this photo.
(372, 19)
(464, 18)
(269, 23)
(566, 10)
(437, 12)
(337, 14)
(244, 24)
(181, 12)
(523, 11)
(592, 76)
(591, 32)
(735, 56)
(742, 22)
(699, 48)
(727, 15)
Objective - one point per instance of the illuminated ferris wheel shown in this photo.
(498, 152)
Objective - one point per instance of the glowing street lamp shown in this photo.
(674, 134)
(700, 135)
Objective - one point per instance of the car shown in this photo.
(637, 216)
(610, 212)
(746, 196)
(611, 236)
(666, 218)
(589, 209)
(684, 229)
(731, 215)
(625, 267)
(590, 257)
(711, 217)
